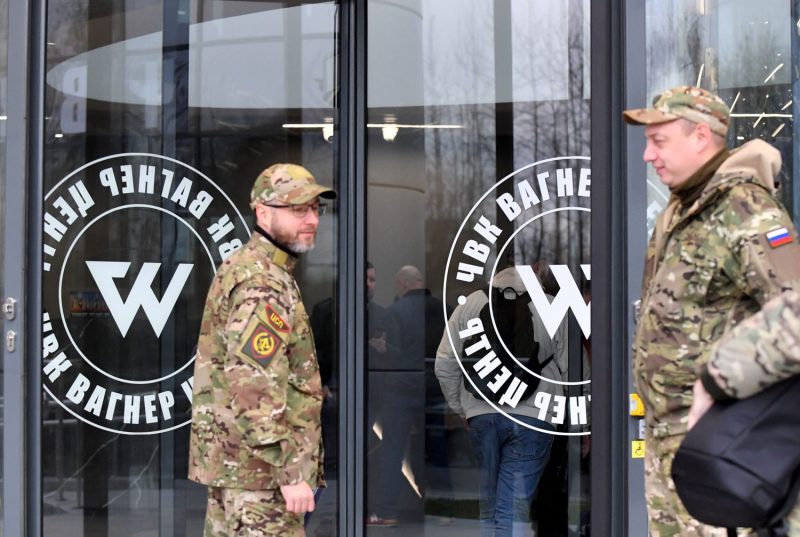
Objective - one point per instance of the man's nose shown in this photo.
(312, 216)
(649, 154)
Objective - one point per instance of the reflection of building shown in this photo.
(413, 109)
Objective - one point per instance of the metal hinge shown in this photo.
(10, 308)
(11, 341)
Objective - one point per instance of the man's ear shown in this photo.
(263, 217)
(704, 135)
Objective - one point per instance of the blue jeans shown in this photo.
(512, 459)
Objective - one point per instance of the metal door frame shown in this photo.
(609, 494)
(351, 167)
(22, 264)
(635, 211)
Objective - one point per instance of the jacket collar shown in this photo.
(265, 244)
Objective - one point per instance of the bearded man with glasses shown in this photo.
(256, 438)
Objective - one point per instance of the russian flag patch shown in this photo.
(778, 237)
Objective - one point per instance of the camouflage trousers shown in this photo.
(250, 513)
(666, 514)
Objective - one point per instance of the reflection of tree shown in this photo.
(675, 44)
(461, 164)
(756, 54)
(740, 51)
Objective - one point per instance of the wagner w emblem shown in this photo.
(526, 238)
(131, 245)
(141, 294)
(569, 297)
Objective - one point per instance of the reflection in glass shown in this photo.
(742, 51)
(179, 111)
(476, 91)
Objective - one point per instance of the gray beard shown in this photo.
(298, 248)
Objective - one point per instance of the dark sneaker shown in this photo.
(376, 521)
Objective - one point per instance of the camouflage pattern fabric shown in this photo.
(688, 102)
(287, 184)
(257, 390)
(762, 350)
(250, 513)
(709, 266)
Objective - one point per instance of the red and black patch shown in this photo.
(262, 345)
(275, 320)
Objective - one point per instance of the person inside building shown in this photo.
(383, 360)
(511, 453)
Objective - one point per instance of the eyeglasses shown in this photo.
(300, 211)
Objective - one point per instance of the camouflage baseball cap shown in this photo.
(288, 184)
(688, 102)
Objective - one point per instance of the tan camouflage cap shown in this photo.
(688, 102)
(288, 184)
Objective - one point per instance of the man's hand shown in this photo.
(299, 498)
(701, 402)
(379, 343)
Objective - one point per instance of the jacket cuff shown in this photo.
(712, 387)
(290, 475)
(302, 467)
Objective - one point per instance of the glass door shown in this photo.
(159, 116)
(4, 12)
(746, 53)
(478, 194)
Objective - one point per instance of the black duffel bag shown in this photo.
(739, 465)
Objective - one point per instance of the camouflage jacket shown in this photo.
(708, 267)
(257, 391)
(761, 351)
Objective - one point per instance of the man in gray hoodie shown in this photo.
(512, 454)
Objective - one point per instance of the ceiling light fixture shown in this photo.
(389, 132)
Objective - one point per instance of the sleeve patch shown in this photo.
(778, 237)
(262, 345)
(275, 320)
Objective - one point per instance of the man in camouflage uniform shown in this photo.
(762, 350)
(719, 251)
(255, 438)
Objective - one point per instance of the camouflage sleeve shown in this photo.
(761, 351)
(763, 241)
(259, 370)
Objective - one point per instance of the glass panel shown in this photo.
(159, 117)
(3, 118)
(739, 49)
(478, 186)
